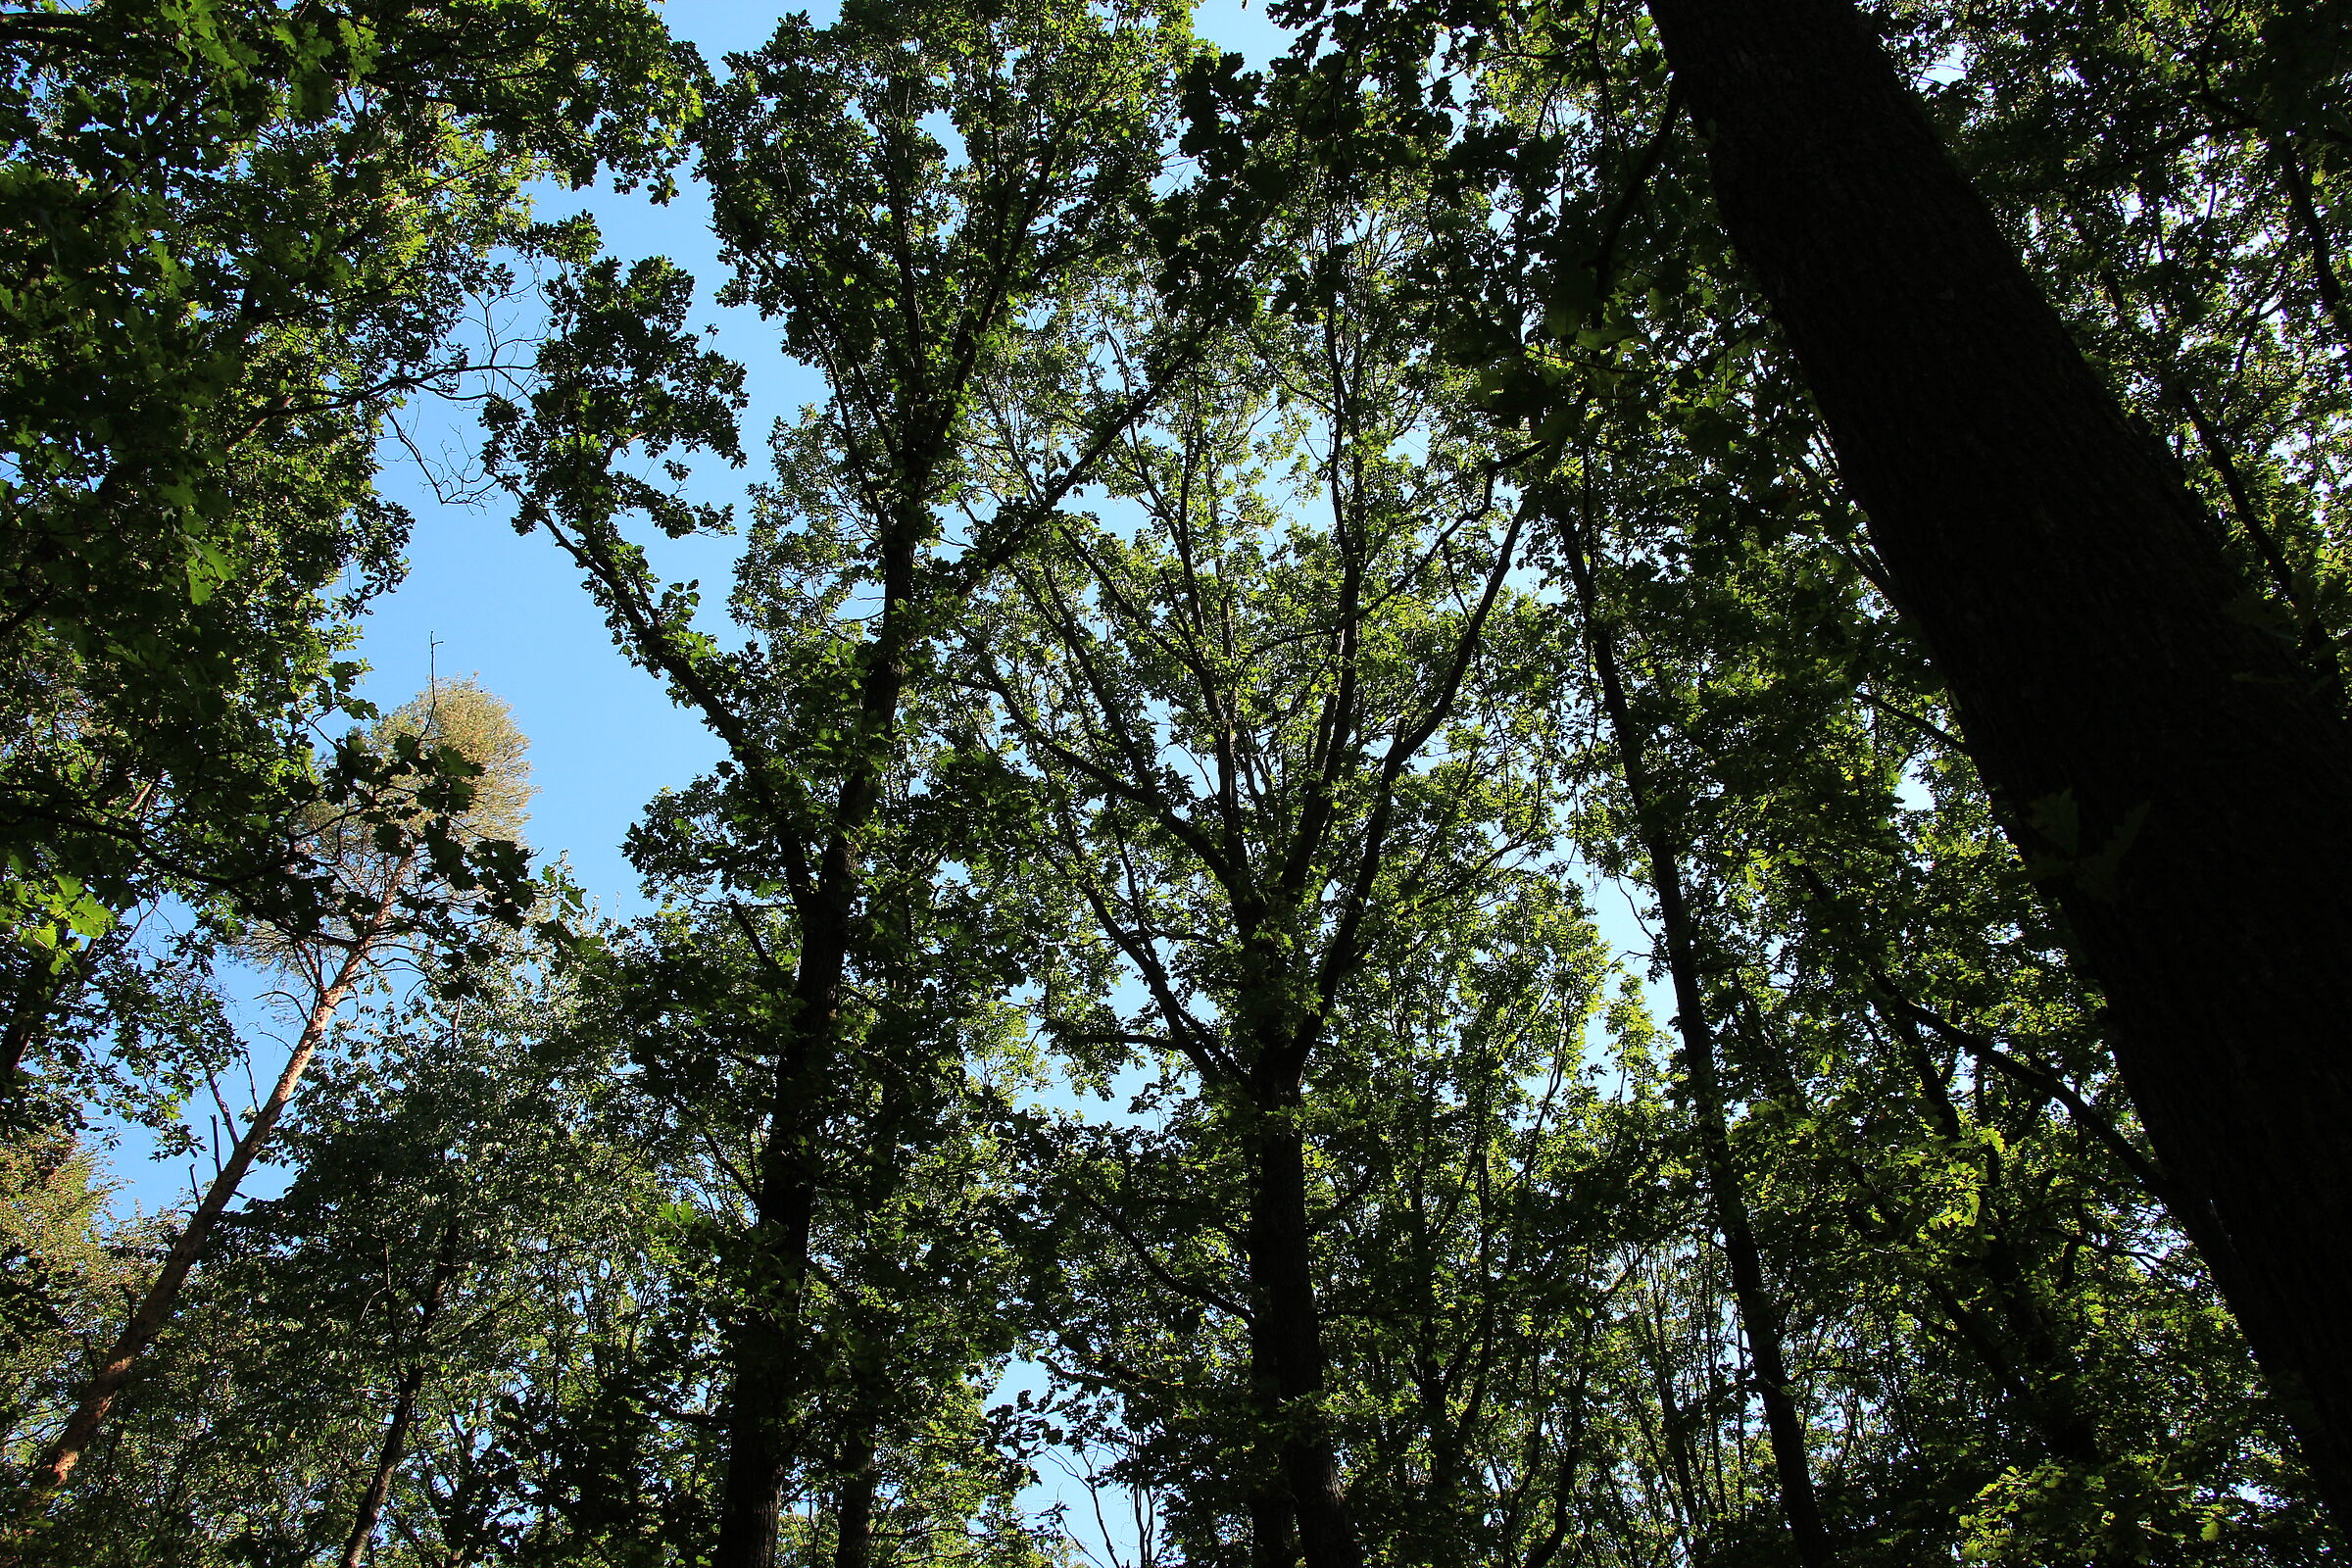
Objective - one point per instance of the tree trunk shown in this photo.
(765, 1363)
(1273, 1531)
(404, 1411)
(156, 1306)
(854, 1508)
(1759, 1314)
(31, 1006)
(2171, 770)
(1286, 1335)
(767, 1360)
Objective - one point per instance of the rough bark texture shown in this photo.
(1760, 1313)
(2171, 769)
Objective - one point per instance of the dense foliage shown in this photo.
(1344, 920)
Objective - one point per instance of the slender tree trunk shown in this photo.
(853, 1510)
(404, 1411)
(1674, 1431)
(1760, 1313)
(2171, 770)
(2295, 177)
(156, 1306)
(1286, 1329)
(2049, 1397)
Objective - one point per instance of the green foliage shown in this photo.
(1171, 753)
(237, 237)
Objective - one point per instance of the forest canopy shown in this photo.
(1548, 785)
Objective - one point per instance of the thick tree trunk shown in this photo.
(767, 1364)
(404, 1411)
(1286, 1335)
(1760, 1313)
(163, 1295)
(767, 1360)
(1273, 1531)
(1273, 1527)
(2172, 770)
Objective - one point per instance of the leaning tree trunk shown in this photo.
(2170, 769)
(155, 1309)
(1759, 1312)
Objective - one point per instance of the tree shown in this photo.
(1264, 744)
(397, 858)
(237, 239)
(1237, 592)
(2174, 771)
(907, 275)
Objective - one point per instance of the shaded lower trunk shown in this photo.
(1286, 1335)
(2173, 773)
(769, 1376)
(853, 1506)
(1273, 1530)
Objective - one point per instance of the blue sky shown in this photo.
(481, 601)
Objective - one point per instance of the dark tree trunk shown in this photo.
(33, 1004)
(1760, 1313)
(404, 1410)
(767, 1376)
(2172, 770)
(1273, 1528)
(853, 1507)
(1286, 1333)
(1273, 1533)
(767, 1358)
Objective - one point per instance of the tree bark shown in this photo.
(767, 1360)
(1760, 1313)
(163, 1295)
(2172, 771)
(404, 1410)
(854, 1508)
(1286, 1333)
(1273, 1531)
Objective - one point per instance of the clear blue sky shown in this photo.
(508, 609)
